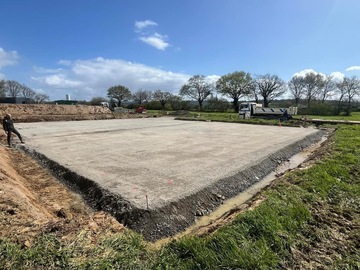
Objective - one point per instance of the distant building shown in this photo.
(66, 102)
(12, 100)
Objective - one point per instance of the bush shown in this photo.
(318, 109)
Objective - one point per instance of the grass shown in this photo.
(355, 116)
(234, 117)
(310, 216)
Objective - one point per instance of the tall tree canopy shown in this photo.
(27, 93)
(313, 83)
(197, 88)
(162, 97)
(269, 87)
(350, 87)
(235, 86)
(13, 88)
(296, 86)
(141, 96)
(2, 88)
(119, 92)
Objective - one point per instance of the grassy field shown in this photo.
(309, 218)
(233, 117)
(355, 116)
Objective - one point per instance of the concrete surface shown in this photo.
(158, 158)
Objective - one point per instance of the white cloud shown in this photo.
(337, 76)
(352, 68)
(151, 38)
(212, 78)
(156, 40)
(46, 70)
(85, 79)
(302, 73)
(57, 81)
(8, 58)
(2, 76)
(140, 25)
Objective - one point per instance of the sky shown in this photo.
(83, 47)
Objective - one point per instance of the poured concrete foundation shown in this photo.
(156, 175)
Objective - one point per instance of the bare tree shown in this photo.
(235, 85)
(313, 83)
(27, 93)
(13, 88)
(350, 87)
(197, 88)
(328, 88)
(2, 88)
(162, 97)
(142, 96)
(40, 98)
(118, 92)
(296, 86)
(269, 87)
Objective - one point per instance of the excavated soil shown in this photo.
(33, 201)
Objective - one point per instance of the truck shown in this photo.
(251, 109)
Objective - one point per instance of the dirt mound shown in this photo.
(32, 201)
(53, 112)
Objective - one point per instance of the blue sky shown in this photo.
(83, 47)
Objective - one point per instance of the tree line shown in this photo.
(241, 85)
(235, 86)
(13, 89)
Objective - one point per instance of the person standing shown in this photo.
(8, 125)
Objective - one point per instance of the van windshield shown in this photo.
(244, 106)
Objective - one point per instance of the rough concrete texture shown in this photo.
(156, 175)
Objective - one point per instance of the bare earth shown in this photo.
(32, 201)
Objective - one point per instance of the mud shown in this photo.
(176, 216)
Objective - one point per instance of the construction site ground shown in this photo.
(157, 175)
(148, 163)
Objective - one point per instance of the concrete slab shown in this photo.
(151, 163)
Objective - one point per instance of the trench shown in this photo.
(185, 215)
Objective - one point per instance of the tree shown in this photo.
(350, 87)
(162, 97)
(177, 103)
(13, 88)
(40, 98)
(313, 83)
(269, 87)
(97, 101)
(2, 88)
(141, 96)
(119, 92)
(216, 104)
(197, 88)
(235, 86)
(328, 88)
(27, 93)
(296, 86)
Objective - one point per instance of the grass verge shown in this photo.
(309, 219)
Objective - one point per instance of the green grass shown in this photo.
(234, 118)
(300, 213)
(355, 116)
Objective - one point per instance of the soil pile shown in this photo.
(53, 112)
(32, 201)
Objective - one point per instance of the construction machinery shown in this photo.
(248, 110)
(141, 109)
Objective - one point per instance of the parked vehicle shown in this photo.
(140, 110)
(251, 109)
